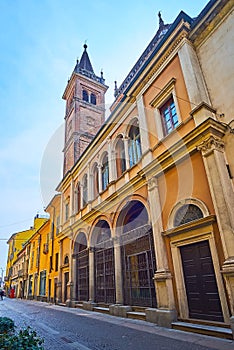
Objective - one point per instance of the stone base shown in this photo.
(119, 310)
(72, 303)
(89, 305)
(161, 317)
(232, 325)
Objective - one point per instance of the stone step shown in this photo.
(79, 305)
(137, 315)
(214, 331)
(138, 308)
(103, 310)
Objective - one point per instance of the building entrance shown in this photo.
(200, 282)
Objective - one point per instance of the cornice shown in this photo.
(210, 18)
(190, 226)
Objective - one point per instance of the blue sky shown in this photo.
(40, 41)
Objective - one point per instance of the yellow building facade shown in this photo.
(143, 218)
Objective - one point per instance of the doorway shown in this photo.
(200, 282)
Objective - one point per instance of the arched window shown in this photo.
(85, 96)
(134, 145)
(78, 198)
(95, 181)
(85, 190)
(187, 213)
(66, 260)
(120, 157)
(105, 172)
(93, 99)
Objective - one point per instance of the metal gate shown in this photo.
(83, 275)
(104, 274)
(139, 266)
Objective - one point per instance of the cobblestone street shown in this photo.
(66, 328)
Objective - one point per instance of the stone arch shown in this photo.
(137, 254)
(81, 256)
(104, 262)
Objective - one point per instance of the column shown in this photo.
(89, 183)
(165, 296)
(222, 194)
(99, 166)
(70, 290)
(118, 271)
(144, 132)
(71, 204)
(111, 159)
(91, 275)
(81, 196)
(125, 140)
(61, 212)
(59, 284)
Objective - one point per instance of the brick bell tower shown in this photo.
(85, 109)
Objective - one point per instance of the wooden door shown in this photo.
(200, 282)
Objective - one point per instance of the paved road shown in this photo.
(67, 329)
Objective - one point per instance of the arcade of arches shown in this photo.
(117, 265)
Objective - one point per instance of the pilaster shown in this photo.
(192, 73)
(118, 271)
(212, 150)
(91, 275)
(162, 277)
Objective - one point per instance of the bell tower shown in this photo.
(85, 109)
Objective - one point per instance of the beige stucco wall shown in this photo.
(216, 55)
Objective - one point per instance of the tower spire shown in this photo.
(85, 61)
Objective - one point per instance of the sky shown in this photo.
(40, 41)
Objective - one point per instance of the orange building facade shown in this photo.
(143, 219)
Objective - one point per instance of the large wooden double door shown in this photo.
(200, 282)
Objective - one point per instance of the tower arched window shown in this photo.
(85, 95)
(134, 144)
(120, 157)
(187, 213)
(85, 190)
(93, 99)
(105, 172)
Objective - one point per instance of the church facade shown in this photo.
(143, 219)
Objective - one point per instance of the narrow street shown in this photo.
(66, 328)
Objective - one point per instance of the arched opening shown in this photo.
(120, 157)
(134, 144)
(105, 172)
(187, 213)
(104, 264)
(66, 260)
(85, 96)
(85, 190)
(93, 99)
(138, 255)
(78, 198)
(81, 254)
(95, 181)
